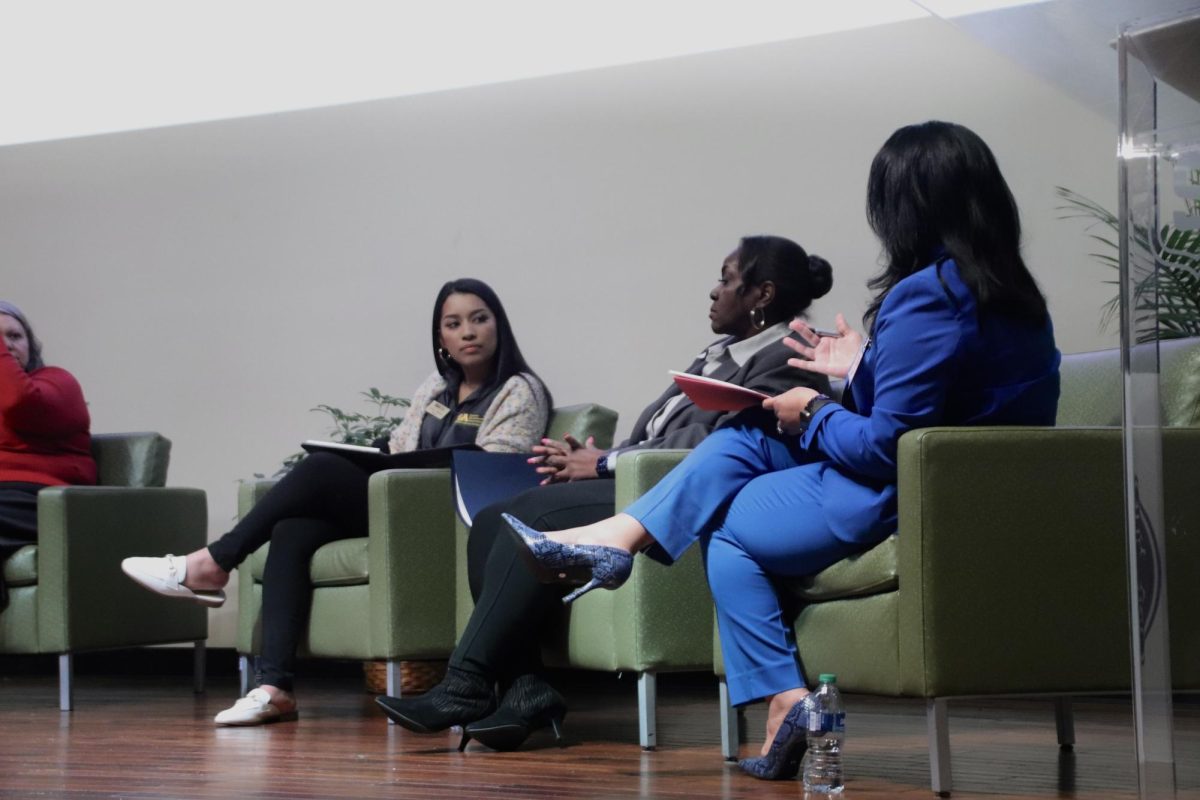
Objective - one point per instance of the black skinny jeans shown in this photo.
(18, 523)
(502, 640)
(323, 499)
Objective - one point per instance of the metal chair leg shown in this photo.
(939, 745)
(1064, 721)
(730, 738)
(647, 702)
(244, 677)
(392, 676)
(66, 684)
(199, 666)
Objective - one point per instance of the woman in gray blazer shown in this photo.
(764, 284)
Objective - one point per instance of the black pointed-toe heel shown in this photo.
(529, 705)
(595, 566)
(782, 761)
(460, 698)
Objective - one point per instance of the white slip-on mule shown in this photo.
(254, 709)
(165, 576)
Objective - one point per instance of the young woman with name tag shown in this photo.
(483, 392)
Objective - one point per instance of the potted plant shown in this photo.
(353, 427)
(1165, 263)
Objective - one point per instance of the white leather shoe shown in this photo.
(254, 709)
(165, 576)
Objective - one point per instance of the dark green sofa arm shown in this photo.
(410, 552)
(1013, 559)
(83, 533)
(661, 619)
(411, 556)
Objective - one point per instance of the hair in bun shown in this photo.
(820, 275)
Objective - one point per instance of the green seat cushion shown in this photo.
(1092, 386)
(1180, 367)
(341, 563)
(872, 572)
(21, 567)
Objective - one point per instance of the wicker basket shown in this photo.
(415, 676)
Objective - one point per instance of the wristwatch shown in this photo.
(602, 470)
(816, 404)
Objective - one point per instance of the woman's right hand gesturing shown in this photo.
(829, 355)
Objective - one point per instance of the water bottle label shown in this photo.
(819, 722)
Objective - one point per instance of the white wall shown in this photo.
(216, 281)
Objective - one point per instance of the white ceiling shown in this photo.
(1069, 42)
(78, 67)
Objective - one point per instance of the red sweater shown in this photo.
(44, 426)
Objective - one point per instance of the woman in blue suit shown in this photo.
(960, 335)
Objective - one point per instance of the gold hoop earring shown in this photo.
(759, 322)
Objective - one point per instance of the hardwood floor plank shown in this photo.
(149, 737)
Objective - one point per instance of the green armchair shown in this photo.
(389, 596)
(1008, 573)
(659, 621)
(67, 593)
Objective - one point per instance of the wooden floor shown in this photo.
(150, 737)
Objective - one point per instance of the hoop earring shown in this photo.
(444, 355)
(759, 322)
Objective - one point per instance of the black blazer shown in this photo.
(767, 371)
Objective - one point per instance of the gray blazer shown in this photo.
(767, 370)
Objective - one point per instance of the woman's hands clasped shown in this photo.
(567, 460)
(829, 355)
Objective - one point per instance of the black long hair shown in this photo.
(508, 359)
(799, 277)
(937, 185)
(35, 345)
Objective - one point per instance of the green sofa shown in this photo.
(1008, 574)
(67, 593)
(389, 596)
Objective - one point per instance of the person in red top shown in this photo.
(44, 433)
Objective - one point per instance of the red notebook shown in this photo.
(714, 395)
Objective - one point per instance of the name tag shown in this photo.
(436, 410)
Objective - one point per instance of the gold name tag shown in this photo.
(436, 409)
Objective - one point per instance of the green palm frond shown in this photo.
(1165, 265)
(356, 427)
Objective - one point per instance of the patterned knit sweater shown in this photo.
(514, 422)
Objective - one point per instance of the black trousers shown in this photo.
(18, 523)
(323, 499)
(502, 640)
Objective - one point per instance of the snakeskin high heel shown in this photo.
(595, 566)
(782, 761)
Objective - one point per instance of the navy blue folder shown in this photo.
(482, 478)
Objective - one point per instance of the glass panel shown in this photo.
(1159, 163)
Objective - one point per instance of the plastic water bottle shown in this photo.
(826, 730)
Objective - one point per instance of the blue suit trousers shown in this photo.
(753, 501)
